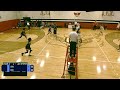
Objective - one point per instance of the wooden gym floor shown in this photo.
(98, 57)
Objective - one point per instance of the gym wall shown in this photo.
(94, 15)
(8, 19)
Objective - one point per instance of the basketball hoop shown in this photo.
(76, 14)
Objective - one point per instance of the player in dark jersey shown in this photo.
(23, 34)
(55, 31)
(49, 30)
(27, 47)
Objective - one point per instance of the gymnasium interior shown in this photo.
(97, 56)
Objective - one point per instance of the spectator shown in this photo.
(118, 26)
(95, 25)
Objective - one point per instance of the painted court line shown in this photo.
(53, 56)
(43, 48)
(98, 61)
(105, 56)
(2, 51)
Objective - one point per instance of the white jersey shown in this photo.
(73, 36)
(28, 23)
(78, 27)
(101, 28)
(75, 23)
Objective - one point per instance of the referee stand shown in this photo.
(72, 69)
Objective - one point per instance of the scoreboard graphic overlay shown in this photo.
(16, 68)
